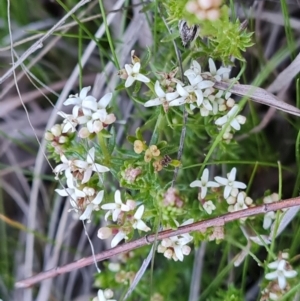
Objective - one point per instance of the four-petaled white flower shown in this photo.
(204, 183)
(134, 74)
(209, 207)
(138, 223)
(281, 272)
(162, 97)
(115, 208)
(89, 166)
(81, 102)
(93, 205)
(105, 295)
(230, 183)
(235, 122)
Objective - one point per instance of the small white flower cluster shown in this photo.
(84, 199)
(236, 200)
(104, 295)
(271, 215)
(175, 247)
(204, 9)
(117, 210)
(201, 94)
(282, 271)
(87, 112)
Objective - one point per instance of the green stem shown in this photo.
(104, 149)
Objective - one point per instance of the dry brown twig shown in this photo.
(126, 247)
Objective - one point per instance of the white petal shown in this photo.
(62, 192)
(273, 265)
(205, 84)
(153, 102)
(91, 156)
(100, 168)
(158, 90)
(128, 69)
(203, 192)
(83, 93)
(205, 175)
(87, 175)
(212, 66)
(281, 281)
(142, 78)
(118, 199)
(119, 236)
(232, 174)
(115, 214)
(87, 212)
(99, 197)
(139, 212)
(196, 183)
(227, 191)
(222, 181)
(290, 274)
(178, 252)
(105, 100)
(109, 206)
(177, 101)
(129, 81)
(181, 90)
(73, 101)
(239, 185)
(199, 95)
(271, 276)
(171, 96)
(221, 121)
(140, 225)
(234, 123)
(212, 184)
(136, 67)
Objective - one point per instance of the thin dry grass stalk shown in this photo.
(148, 239)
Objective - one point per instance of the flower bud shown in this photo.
(104, 232)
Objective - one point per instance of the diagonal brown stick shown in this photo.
(202, 225)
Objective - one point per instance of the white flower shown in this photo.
(104, 295)
(82, 102)
(186, 93)
(98, 120)
(242, 201)
(220, 74)
(89, 166)
(162, 97)
(69, 122)
(268, 219)
(235, 122)
(230, 183)
(204, 183)
(175, 247)
(93, 205)
(74, 194)
(281, 272)
(115, 208)
(209, 207)
(138, 223)
(134, 74)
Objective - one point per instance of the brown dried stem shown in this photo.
(198, 226)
